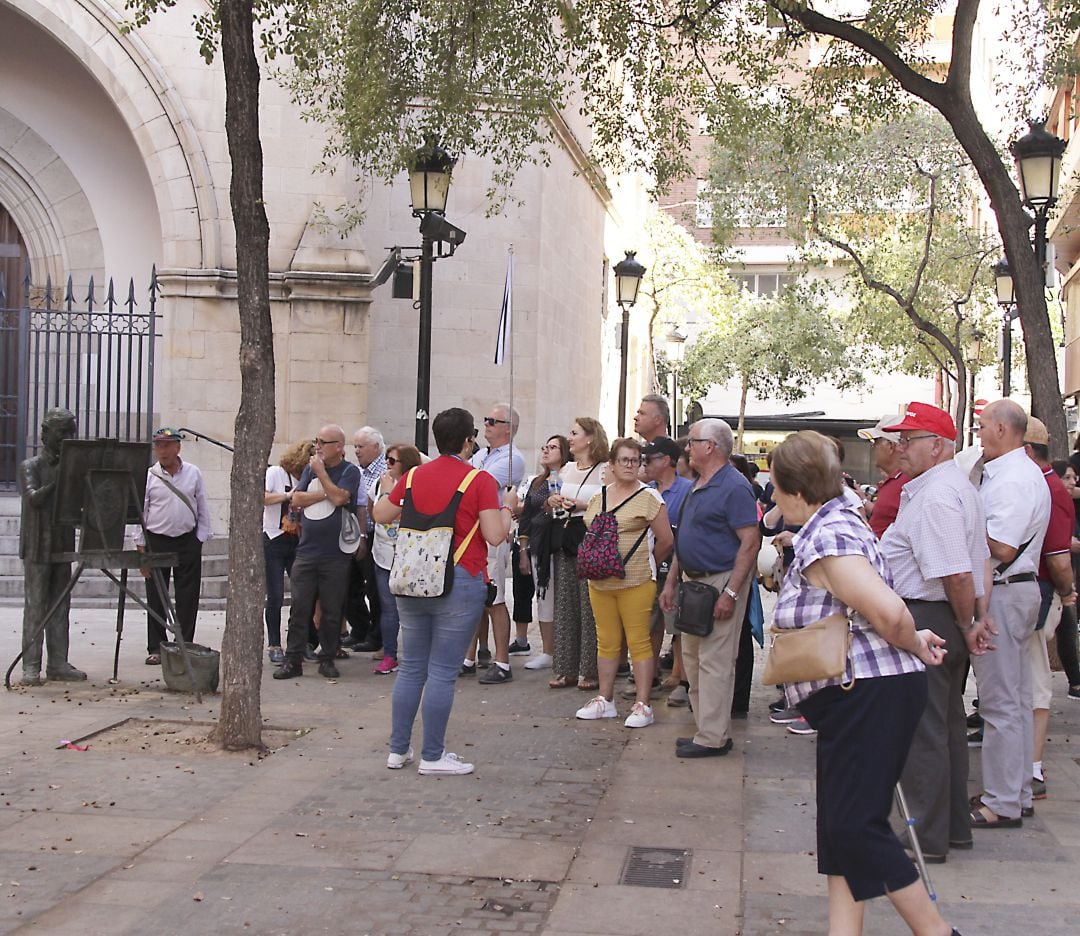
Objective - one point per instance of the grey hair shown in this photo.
(720, 432)
(509, 413)
(661, 406)
(370, 432)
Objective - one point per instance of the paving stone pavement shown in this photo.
(321, 838)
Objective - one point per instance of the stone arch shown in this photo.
(48, 205)
(155, 114)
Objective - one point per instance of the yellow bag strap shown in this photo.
(463, 487)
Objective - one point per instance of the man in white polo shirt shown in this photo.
(1016, 502)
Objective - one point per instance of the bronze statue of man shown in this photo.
(39, 540)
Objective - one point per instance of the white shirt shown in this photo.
(167, 515)
(504, 463)
(277, 482)
(1017, 505)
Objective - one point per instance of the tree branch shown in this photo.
(958, 80)
(933, 92)
(924, 260)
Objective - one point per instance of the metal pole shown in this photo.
(423, 354)
(622, 369)
(1006, 346)
(971, 404)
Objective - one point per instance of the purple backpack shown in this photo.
(598, 556)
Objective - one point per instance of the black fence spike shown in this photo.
(90, 300)
(130, 301)
(110, 296)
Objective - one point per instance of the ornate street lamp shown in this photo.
(628, 274)
(1006, 298)
(429, 186)
(1038, 165)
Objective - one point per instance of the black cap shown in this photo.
(662, 445)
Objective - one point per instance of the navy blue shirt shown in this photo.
(705, 540)
(673, 497)
(319, 538)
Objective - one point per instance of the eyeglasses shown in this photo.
(691, 440)
(904, 442)
(475, 432)
(319, 442)
(628, 462)
(491, 421)
(391, 461)
(645, 459)
(549, 448)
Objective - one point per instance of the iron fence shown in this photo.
(95, 358)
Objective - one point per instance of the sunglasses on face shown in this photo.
(318, 442)
(492, 421)
(391, 461)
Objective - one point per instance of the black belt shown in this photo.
(699, 575)
(1013, 579)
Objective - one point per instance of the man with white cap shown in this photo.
(937, 553)
(887, 459)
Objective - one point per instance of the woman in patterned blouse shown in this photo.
(864, 728)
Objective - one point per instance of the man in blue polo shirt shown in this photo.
(717, 543)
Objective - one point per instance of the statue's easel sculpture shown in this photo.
(100, 488)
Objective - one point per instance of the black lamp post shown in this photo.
(974, 355)
(628, 274)
(1006, 298)
(429, 185)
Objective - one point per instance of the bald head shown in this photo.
(1001, 428)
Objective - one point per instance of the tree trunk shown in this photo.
(742, 413)
(241, 648)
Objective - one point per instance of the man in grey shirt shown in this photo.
(937, 553)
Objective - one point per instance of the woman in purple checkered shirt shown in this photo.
(865, 730)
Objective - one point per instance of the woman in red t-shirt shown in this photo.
(435, 632)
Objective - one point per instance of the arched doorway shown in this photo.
(14, 269)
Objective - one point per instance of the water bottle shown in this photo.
(555, 487)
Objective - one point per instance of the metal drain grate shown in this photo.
(656, 867)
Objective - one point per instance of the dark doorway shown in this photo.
(14, 270)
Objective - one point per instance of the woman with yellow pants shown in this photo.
(623, 606)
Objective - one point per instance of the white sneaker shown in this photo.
(540, 661)
(640, 716)
(598, 708)
(397, 761)
(449, 765)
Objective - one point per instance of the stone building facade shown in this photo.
(113, 160)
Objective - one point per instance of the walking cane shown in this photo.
(920, 861)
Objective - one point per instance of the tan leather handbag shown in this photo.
(808, 654)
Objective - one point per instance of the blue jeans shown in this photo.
(279, 553)
(388, 613)
(435, 633)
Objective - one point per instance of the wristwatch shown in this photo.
(731, 593)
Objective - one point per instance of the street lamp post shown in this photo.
(1006, 298)
(429, 185)
(974, 354)
(628, 274)
(675, 342)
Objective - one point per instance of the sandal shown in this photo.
(342, 654)
(588, 685)
(154, 659)
(980, 819)
(560, 682)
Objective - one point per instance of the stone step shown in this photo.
(10, 505)
(11, 586)
(213, 567)
(9, 525)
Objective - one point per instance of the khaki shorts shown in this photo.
(1039, 660)
(499, 569)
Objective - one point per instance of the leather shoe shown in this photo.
(65, 672)
(327, 669)
(349, 640)
(289, 669)
(368, 646)
(965, 845)
(699, 750)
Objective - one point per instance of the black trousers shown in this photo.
(744, 667)
(325, 580)
(863, 740)
(936, 773)
(186, 576)
(362, 601)
(524, 588)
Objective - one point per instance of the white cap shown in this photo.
(878, 431)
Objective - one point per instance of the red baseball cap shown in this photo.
(928, 418)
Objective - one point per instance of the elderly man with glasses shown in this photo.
(362, 608)
(937, 553)
(329, 486)
(716, 542)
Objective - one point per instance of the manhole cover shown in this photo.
(656, 867)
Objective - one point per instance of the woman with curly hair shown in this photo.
(281, 532)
